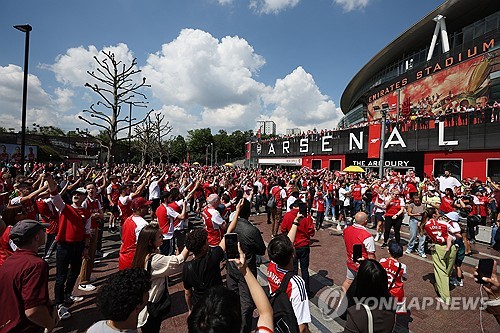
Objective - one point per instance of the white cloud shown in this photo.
(42, 108)
(296, 101)
(350, 5)
(225, 2)
(71, 68)
(272, 6)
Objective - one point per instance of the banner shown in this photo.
(248, 147)
(12, 153)
(374, 141)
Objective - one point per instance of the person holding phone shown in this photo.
(203, 272)
(491, 285)
(356, 236)
(302, 240)
(250, 240)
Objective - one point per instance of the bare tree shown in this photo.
(161, 131)
(115, 86)
(145, 139)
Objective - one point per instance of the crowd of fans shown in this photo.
(173, 219)
(422, 115)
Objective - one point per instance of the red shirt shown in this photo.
(483, 205)
(437, 231)
(48, 214)
(446, 204)
(93, 206)
(72, 224)
(125, 209)
(320, 204)
(276, 192)
(357, 234)
(130, 231)
(356, 193)
(305, 230)
(5, 249)
(393, 207)
(274, 276)
(213, 224)
(24, 278)
(391, 266)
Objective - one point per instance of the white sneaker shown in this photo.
(87, 287)
(377, 236)
(72, 299)
(453, 281)
(460, 283)
(408, 251)
(339, 227)
(63, 312)
(423, 255)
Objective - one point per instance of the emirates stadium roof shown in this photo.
(458, 13)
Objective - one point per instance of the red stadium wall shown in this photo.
(325, 160)
(474, 164)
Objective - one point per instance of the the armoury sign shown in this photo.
(356, 141)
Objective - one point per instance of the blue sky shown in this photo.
(211, 63)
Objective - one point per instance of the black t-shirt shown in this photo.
(203, 273)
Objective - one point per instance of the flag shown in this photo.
(258, 134)
(374, 141)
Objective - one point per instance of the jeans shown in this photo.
(494, 228)
(369, 209)
(68, 259)
(413, 233)
(258, 200)
(358, 204)
(302, 256)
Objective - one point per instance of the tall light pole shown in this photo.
(385, 108)
(26, 28)
(129, 130)
(212, 154)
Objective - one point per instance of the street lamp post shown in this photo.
(227, 157)
(212, 154)
(385, 108)
(129, 130)
(26, 28)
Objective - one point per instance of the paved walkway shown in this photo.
(327, 270)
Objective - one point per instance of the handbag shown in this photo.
(370, 317)
(162, 306)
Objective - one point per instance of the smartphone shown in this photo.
(302, 209)
(484, 269)
(357, 252)
(231, 240)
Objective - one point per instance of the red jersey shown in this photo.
(437, 231)
(393, 207)
(130, 232)
(72, 224)
(305, 230)
(276, 192)
(213, 223)
(48, 214)
(320, 204)
(391, 266)
(114, 192)
(5, 249)
(125, 206)
(357, 234)
(446, 204)
(483, 205)
(356, 193)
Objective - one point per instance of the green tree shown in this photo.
(199, 141)
(178, 150)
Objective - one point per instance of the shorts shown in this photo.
(115, 210)
(379, 217)
(351, 274)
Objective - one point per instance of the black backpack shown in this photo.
(283, 314)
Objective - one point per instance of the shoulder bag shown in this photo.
(162, 306)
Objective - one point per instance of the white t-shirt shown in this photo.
(154, 190)
(103, 327)
(448, 182)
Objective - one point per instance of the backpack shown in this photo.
(271, 203)
(283, 314)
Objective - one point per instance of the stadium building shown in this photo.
(436, 85)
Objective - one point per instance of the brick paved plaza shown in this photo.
(327, 270)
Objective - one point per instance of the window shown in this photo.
(453, 166)
(316, 164)
(493, 169)
(335, 165)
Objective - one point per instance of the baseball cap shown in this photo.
(154, 178)
(140, 202)
(24, 229)
(454, 216)
(80, 190)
